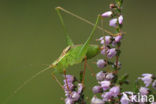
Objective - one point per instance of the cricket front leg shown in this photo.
(84, 71)
(55, 78)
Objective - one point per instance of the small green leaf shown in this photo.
(119, 2)
(123, 79)
(136, 87)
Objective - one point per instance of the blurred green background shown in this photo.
(31, 38)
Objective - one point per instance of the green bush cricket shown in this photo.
(72, 54)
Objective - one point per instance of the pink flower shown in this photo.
(100, 76)
(113, 22)
(115, 91)
(96, 100)
(105, 85)
(118, 38)
(144, 90)
(111, 53)
(101, 63)
(97, 89)
(124, 99)
(120, 19)
(75, 96)
(107, 14)
(147, 79)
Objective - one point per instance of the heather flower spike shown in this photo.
(109, 83)
(72, 95)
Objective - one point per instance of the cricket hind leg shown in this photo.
(90, 69)
(58, 82)
(83, 19)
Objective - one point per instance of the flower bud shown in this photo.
(108, 40)
(105, 85)
(106, 96)
(96, 100)
(115, 91)
(68, 87)
(80, 88)
(113, 22)
(111, 53)
(69, 101)
(103, 52)
(75, 96)
(101, 63)
(144, 91)
(97, 89)
(109, 76)
(69, 78)
(147, 79)
(100, 76)
(120, 19)
(118, 38)
(107, 14)
(112, 6)
(119, 65)
(124, 99)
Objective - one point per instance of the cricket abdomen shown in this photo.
(92, 51)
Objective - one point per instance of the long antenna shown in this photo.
(25, 83)
(83, 19)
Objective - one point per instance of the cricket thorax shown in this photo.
(64, 52)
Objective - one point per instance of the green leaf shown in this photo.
(123, 79)
(119, 2)
(136, 87)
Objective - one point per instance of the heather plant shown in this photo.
(109, 87)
